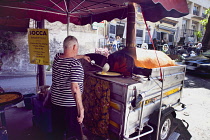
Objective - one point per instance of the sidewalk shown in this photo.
(20, 73)
(20, 127)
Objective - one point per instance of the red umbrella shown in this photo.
(83, 12)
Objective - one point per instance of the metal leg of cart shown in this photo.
(3, 130)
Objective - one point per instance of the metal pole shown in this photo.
(41, 68)
(68, 21)
(68, 15)
(160, 110)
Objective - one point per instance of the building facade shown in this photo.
(174, 31)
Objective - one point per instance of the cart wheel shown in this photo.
(165, 128)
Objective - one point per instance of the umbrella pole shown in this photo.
(41, 68)
(68, 20)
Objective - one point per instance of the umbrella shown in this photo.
(82, 12)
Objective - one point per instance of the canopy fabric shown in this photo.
(12, 24)
(84, 12)
(155, 10)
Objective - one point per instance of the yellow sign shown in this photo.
(38, 40)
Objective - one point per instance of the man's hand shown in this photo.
(87, 58)
(80, 119)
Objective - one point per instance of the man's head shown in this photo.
(70, 45)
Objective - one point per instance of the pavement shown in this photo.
(20, 127)
(21, 73)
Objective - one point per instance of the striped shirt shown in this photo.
(64, 72)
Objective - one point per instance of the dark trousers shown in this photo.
(64, 121)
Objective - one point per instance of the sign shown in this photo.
(95, 25)
(38, 40)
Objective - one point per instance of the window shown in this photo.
(171, 38)
(195, 10)
(139, 33)
(202, 29)
(120, 27)
(184, 25)
(139, 9)
(158, 36)
(194, 26)
(147, 40)
(203, 13)
(112, 29)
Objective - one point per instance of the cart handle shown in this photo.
(141, 135)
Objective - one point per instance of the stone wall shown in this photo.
(19, 60)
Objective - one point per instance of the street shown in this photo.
(21, 84)
(196, 95)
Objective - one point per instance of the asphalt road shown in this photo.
(196, 95)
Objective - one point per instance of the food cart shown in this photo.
(127, 107)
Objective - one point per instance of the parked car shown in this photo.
(198, 64)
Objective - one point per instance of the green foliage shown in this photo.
(205, 21)
(198, 34)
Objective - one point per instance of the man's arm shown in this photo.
(78, 98)
(87, 58)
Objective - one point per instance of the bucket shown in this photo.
(28, 100)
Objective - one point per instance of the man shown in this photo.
(198, 49)
(67, 88)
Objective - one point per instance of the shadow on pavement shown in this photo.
(20, 126)
(182, 130)
(197, 81)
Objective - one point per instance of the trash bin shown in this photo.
(28, 100)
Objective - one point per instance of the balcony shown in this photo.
(187, 33)
(196, 12)
(204, 15)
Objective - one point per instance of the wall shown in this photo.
(19, 61)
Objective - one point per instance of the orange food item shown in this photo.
(8, 97)
(149, 59)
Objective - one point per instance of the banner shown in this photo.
(38, 41)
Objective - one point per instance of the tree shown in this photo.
(206, 38)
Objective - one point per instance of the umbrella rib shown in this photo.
(77, 5)
(33, 10)
(66, 6)
(57, 6)
(95, 3)
(81, 6)
(46, 8)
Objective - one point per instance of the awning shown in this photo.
(82, 12)
(166, 28)
(12, 24)
(169, 21)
